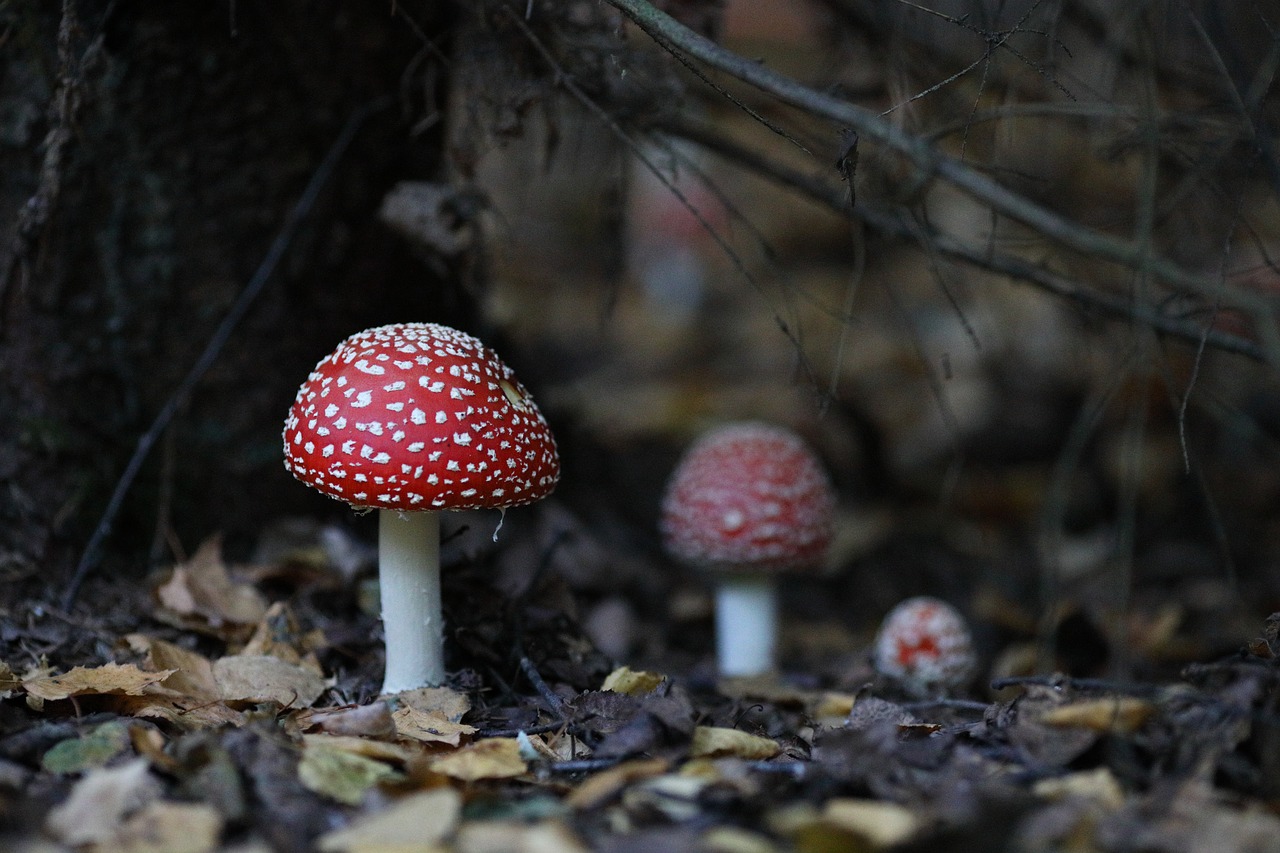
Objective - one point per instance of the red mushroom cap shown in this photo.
(418, 416)
(748, 496)
(925, 645)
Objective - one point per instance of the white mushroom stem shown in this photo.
(746, 624)
(409, 581)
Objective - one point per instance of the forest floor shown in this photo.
(224, 707)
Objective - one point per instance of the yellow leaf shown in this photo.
(495, 758)
(1121, 714)
(883, 824)
(418, 822)
(604, 786)
(109, 678)
(429, 727)
(714, 742)
(444, 701)
(632, 682)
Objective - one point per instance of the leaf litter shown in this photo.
(231, 721)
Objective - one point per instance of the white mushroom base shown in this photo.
(409, 583)
(746, 624)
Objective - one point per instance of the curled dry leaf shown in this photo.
(715, 742)
(415, 822)
(202, 590)
(445, 701)
(372, 720)
(192, 672)
(334, 771)
(429, 727)
(604, 786)
(1119, 715)
(632, 682)
(495, 758)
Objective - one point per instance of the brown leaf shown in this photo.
(495, 758)
(715, 742)
(429, 727)
(417, 822)
(110, 678)
(99, 802)
(263, 678)
(1122, 715)
(202, 588)
(604, 786)
(192, 672)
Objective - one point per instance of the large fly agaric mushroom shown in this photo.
(412, 419)
(747, 501)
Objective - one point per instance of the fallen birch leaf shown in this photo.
(1099, 785)
(263, 678)
(1121, 715)
(495, 758)
(607, 784)
(98, 803)
(202, 588)
(192, 672)
(379, 750)
(417, 822)
(113, 678)
(632, 682)
(504, 836)
(715, 742)
(429, 727)
(444, 701)
(93, 748)
(340, 775)
(168, 827)
(880, 823)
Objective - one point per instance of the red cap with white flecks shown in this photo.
(925, 645)
(418, 416)
(749, 496)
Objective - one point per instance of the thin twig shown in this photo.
(319, 179)
(929, 160)
(1010, 266)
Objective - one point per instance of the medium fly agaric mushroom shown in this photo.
(412, 419)
(924, 646)
(748, 501)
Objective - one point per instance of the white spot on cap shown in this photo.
(372, 369)
(362, 399)
(417, 416)
(331, 410)
(415, 446)
(462, 438)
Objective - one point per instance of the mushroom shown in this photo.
(411, 419)
(924, 646)
(747, 501)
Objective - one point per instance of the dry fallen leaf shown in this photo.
(444, 701)
(338, 773)
(202, 588)
(99, 802)
(263, 678)
(429, 727)
(604, 786)
(417, 822)
(168, 827)
(501, 836)
(1122, 715)
(632, 682)
(880, 823)
(495, 758)
(192, 672)
(714, 742)
(372, 720)
(114, 678)
(1099, 784)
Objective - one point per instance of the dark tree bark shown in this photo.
(148, 158)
